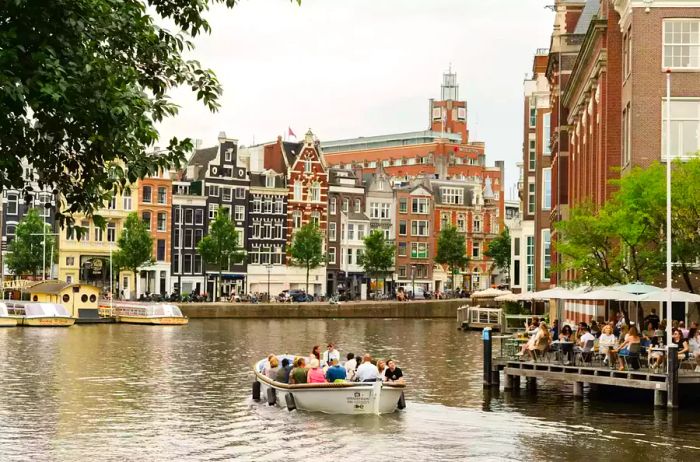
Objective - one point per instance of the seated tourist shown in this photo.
(541, 341)
(565, 334)
(315, 354)
(330, 353)
(623, 350)
(272, 368)
(315, 374)
(381, 367)
(683, 329)
(554, 331)
(392, 373)
(284, 371)
(350, 366)
(694, 344)
(367, 372)
(683, 346)
(595, 329)
(606, 342)
(299, 373)
(584, 335)
(531, 328)
(336, 372)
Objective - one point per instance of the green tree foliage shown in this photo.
(451, 250)
(307, 249)
(135, 246)
(83, 84)
(378, 256)
(499, 250)
(26, 251)
(220, 246)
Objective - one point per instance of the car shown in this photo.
(299, 296)
(420, 294)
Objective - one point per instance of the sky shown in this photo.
(349, 68)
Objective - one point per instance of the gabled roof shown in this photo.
(52, 287)
(291, 151)
(201, 158)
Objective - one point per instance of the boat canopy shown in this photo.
(151, 310)
(37, 309)
(3, 310)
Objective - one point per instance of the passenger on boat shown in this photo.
(329, 354)
(367, 372)
(315, 374)
(315, 354)
(336, 372)
(350, 366)
(299, 373)
(271, 370)
(381, 367)
(393, 373)
(606, 342)
(284, 371)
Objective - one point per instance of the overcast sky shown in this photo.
(348, 68)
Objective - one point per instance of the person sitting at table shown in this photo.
(606, 342)
(531, 328)
(679, 339)
(566, 349)
(566, 333)
(683, 329)
(541, 341)
(694, 344)
(649, 333)
(555, 329)
(623, 350)
(583, 339)
(595, 328)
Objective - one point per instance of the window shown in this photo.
(226, 194)
(681, 43)
(162, 195)
(199, 217)
(546, 188)
(112, 204)
(358, 206)
(12, 204)
(374, 209)
(546, 134)
(297, 190)
(452, 196)
(177, 215)
(402, 228)
(239, 214)
(188, 216)
(476, 224)
(296, 218)
(346, 205)
(126, 199)
(45, 205)
(331, 255)
(685, 128)
(189, 239)
(419, 228)
(461, 223)
(349, 260)
(403, 205)
(279, 205)
(111, 232)
(476, 249)
(213, 209)
(384, 211)
(160, 250)
(162, 218)
(476, 278)
(176, 238)
(316, 218)
(187, 263)
(444, 221)
(316, 192)
(308, 165)
(516, 246)
(98, 234)
(360, 232)
(402, 249)
(516, 273)
(419, 205)
(197, 264)
(228, 155)
(147, 194)
(530, 262)
(198, 234)
(240, 193)
(70, 234)
(70, 261)
(532, 154)
(358, 256)
(546, 253)
(146, 217)
(332, 205)
(531, 196)
(228, 172)
(419, 250)
(533, 115)
(627, 54)
(626, 136)
(351, 232)
(332, 231)
(270, 181)
(402, 271)
(213, 191)
(257, 204)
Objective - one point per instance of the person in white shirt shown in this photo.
(350, 366)
(606, 342)
(367, 372)
(329, 354)
(584, 338)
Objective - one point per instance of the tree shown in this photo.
(451, 250)
(307, 249)
(26, 251)
(378, 256)
(220, 246)
(135, 246)
(87, 87)
(499, 251)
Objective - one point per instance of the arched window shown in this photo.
(316, 218)
(296, 217)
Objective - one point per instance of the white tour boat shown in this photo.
(5, 319)
(39, 314)
(161, 314)
(330, 398)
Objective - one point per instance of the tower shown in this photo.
(449, 114)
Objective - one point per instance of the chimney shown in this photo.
(222, 137)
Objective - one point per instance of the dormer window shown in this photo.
(358, 207)
(228, 155)
(270, 181)
(308, 165)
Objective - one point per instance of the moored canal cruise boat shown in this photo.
(158, 314)
(5, 319)
(37, 314)
(329, 398)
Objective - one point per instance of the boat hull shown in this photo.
(6, 321)
(155, 321)
(48, 321)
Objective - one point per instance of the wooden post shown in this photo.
(486, 337)
(672, 376)
(495, 377)
(578, 390)
(509, 382)
(659, 398)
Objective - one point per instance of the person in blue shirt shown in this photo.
(335, 372)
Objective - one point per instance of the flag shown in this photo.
(290, 132)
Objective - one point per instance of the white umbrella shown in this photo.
(636, 288)
(490, 292)
(606, 294)
(556, 292)
(507, 298)
(676, 296)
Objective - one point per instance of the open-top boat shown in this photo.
(330, 398)
(5, 319)
(161, 314)
(38, 314)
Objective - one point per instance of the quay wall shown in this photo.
(390, 309)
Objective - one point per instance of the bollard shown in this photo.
(659, 398)
(486, 337)
(672, 377)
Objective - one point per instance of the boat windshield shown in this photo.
(44, 309)
(3, 310)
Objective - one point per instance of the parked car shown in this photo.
(299, 296)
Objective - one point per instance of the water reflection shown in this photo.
(139, 393)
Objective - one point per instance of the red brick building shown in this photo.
(155, 209)
(415, 248)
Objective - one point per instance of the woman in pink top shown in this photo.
(315, 374)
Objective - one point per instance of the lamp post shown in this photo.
(669, 303)
(413, 277)
(269, 268)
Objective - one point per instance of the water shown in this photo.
(120, 392)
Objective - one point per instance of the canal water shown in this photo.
(120, 392)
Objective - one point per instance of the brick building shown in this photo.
(415, 250)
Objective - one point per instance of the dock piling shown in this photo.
(672, 376)
(486, 337)
(659, 398)
(509, 382)
(578, 390)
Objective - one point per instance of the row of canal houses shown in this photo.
(269, 191)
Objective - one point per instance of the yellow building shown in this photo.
(81, 300)
(87, 260)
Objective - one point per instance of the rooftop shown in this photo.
(385, 141)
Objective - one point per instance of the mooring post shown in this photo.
(495, 377)
(578, 390)
(486, 337)
(509, 382)
(672, 376)
(659, 398)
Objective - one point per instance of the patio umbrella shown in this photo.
(556, 292)
(606, 294)
(676, 296)
(507, 298)
(490, 292)
(636, 288)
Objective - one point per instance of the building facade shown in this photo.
(189, 212)
(415, 251)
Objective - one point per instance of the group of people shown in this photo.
(615, 340)
(325, 367)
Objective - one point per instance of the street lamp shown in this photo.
(413, 276)
(269, 267)
(669, 304)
